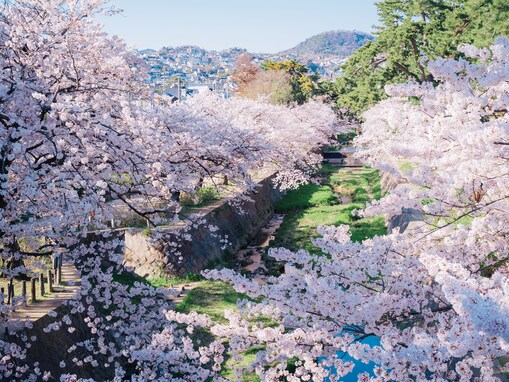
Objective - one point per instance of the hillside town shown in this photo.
(187, 70)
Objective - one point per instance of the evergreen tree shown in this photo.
(304, 84)
(409, 31)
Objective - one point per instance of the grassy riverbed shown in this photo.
(342, 190)
(331, 202)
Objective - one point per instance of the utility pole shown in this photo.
(152, 94)
(179, 94)
(227, 86)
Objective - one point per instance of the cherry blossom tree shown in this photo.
(76, 132)
(434, 296)
(81, 135)
(286, 140)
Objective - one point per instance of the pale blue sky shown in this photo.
(257, 25)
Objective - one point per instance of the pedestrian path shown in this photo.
(71, 282)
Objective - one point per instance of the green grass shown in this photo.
(157, 281)
(362, 185)
(406, 166)
(247, 358)
(211, 298)
(312, 206)
(165, 281)
(367, 228)
(308, 195)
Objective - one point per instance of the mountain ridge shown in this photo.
(339, 43)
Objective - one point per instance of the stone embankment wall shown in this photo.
(388, 181)
(149, 257)
(173, 255)
(409, 216)
(51, 347)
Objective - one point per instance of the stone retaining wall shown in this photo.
(409, 217)
(148, 257)
(51, 347)
(175, 256)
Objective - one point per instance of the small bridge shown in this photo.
(342, 158)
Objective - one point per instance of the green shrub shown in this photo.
(203, 196)
(206, 194)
